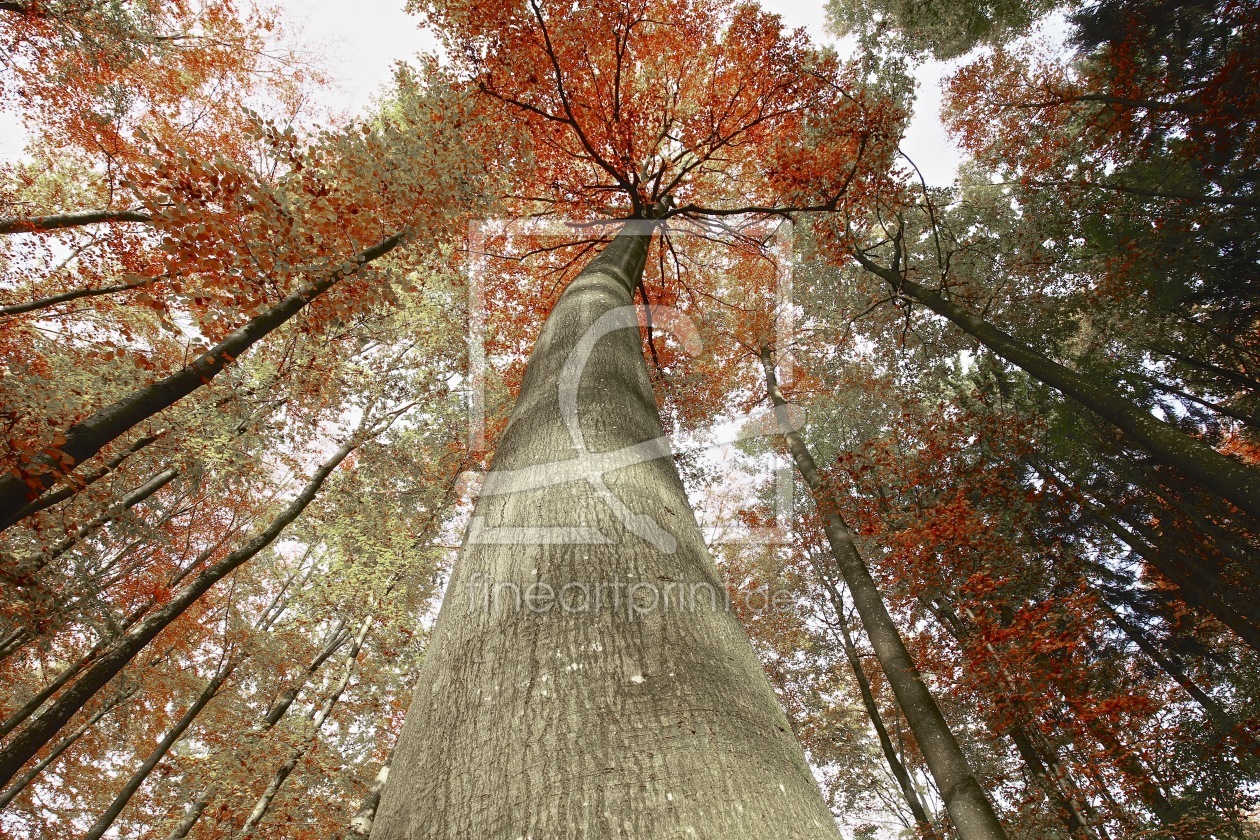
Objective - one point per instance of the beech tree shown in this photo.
(618, 128)
(261, 490)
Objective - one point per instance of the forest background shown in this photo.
(243, 295)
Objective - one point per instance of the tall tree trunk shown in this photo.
(122, 650)
(1228, 477)
(280, 706)
(72, 670)
(208, 693)
(969, 808)
(195, 809)
(895, 765)
(263, 805)
(1125, 759)
(1072, 813)
(629, 702)
(85, 438)
(159, 752)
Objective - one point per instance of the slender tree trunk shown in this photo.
(969, 809)
(317, 723)
(115, 657)
(12, 643)
(280, 707)
(895, 765)
(66, 297)
(159, 752)
(1072, 814)
(1125, 759)
(74, 483)
(361, 823)
(33, 705)
(85, 438)
(23, 569)
(64, 744)
(1218, 540)
(74, 669)
(629, 702)
(60, 221)
(1228, 477)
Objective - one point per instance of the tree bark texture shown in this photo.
(626, 709)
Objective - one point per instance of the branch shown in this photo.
(1187, 108)
(77, 218)
(65, 297)
(568, 109)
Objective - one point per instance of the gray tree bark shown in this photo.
(64, 744)
(968, 806)
(27, 566)
(67, 297)
(618, 707)
(895, 765)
